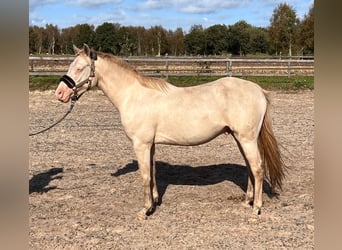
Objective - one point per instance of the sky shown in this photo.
(170, 14)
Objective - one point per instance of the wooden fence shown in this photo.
(167, 66)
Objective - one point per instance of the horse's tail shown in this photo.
(272, 161)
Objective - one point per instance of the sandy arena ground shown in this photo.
(85, 187)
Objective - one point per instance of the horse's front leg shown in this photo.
(143, 153)
(154, 181)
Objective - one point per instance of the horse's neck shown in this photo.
(115, 82)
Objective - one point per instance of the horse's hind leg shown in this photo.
(250, 182)
(250, 189)
(255, 173)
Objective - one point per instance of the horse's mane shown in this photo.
(149, 82)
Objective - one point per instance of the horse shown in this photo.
(153, 111)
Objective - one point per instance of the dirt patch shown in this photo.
(85, 188)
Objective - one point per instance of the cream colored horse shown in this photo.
(156, 112)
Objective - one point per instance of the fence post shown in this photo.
(229, 66)
(288, 69)
(31, 64)
(167, 67)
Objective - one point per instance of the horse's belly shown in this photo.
(188, 135)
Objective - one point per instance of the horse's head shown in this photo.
(80, 76)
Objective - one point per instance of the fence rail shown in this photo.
(166, 66)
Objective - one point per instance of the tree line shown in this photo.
(286, 35)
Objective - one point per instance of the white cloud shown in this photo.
(193, 6)
(155, 4)
(275, 3)
(114, 16)
(33, 4)
(91, 3)
(38, 3)
(38, 22)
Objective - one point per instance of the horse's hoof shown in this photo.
(156, 200)
(142, 215)
(246, 204)
(257, 210)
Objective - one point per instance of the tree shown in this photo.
(239, 37)
(259, 41)
(139, 33)
(51, 35)
(176, 41)
(217, 39)
(141, 38)
(36, 39)
(158, 44)
(195, 41)
(67, 40)
(84, 33)
(106, 38)
(283, 28)
(307, 32)
(126, 41)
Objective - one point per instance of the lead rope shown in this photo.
(72, 104)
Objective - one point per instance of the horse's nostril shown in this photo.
(59, 93)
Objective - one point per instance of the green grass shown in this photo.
(283, 82)
(188, 81)
(43, 82)
(266, 82)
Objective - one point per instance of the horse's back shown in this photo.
(228, 92)
(235, 85)
(231, 86)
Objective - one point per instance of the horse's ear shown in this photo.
(86, 49)
(89, 52)
(76, 50)
(93, 54)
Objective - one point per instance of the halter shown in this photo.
(72, 84)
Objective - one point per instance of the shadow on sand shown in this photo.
(39, 182)
(198, 176)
